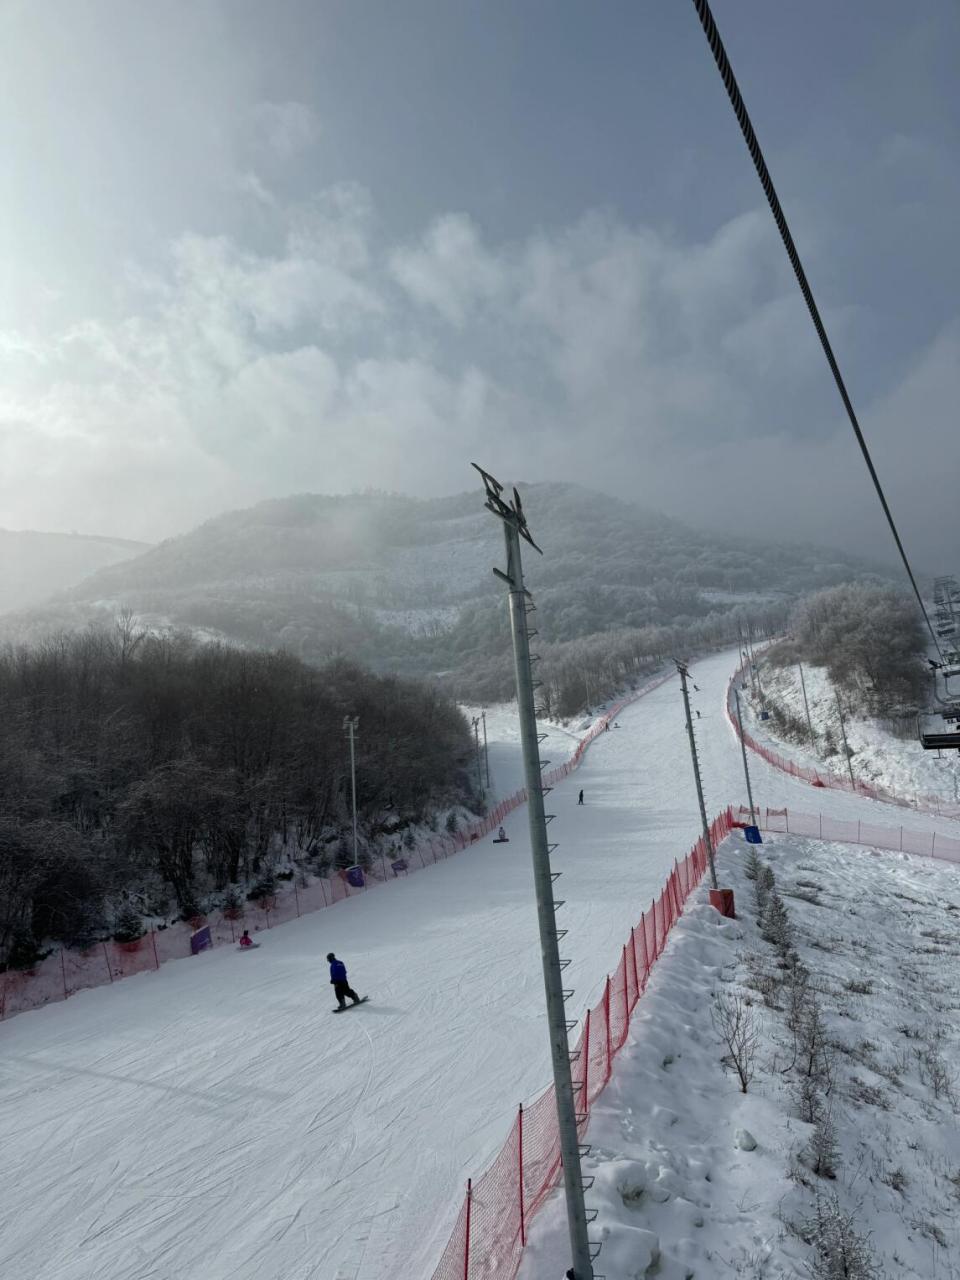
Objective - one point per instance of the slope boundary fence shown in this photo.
(818, 826)
(66, 972)
(818, 777)
(491, 1230)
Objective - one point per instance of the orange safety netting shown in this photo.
(491, 1229)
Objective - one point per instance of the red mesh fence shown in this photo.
(820, 777)
(490, 1232)
(929, 844)
(65, 973)
(489, 1242)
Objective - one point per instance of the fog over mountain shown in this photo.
(34, 565)
(406, 584)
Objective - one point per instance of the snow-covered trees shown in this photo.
(163, 763)
(870, 639)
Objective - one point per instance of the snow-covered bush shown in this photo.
(128, 924)
(762, 888)
(823, 1150)
(840, 1252)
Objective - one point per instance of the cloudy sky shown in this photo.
(252, 249)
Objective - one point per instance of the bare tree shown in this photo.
(737, 1026)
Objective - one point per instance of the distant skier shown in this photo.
(580, 798)
(246, 940)
(338, 979)
(698, 715)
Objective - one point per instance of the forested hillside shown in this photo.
(144, 773)
(405, 585)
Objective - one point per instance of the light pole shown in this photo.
(351, 724)
(843, 735)
(681, 667)
(743, 748)
(806, 705)
(515, 528)
(486, 753)
(476, 743)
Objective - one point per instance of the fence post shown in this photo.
(859, 841)
(626, 995)
(786, 814)
(523, 1227)
(63, 973)
(296, 898)
(466, 1246)
(153, 939)
(106, 960)
(606, 1018)
(821, 825)
(933, 844)
(633, 952)
(901, 839)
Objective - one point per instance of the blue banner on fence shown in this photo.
(200, 939)
(355, 877)
(753, 835)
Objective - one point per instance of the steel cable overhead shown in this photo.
(753, 146)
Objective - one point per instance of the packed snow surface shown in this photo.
(214, 1119)
(695, 1179)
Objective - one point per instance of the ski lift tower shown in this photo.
(515, 529)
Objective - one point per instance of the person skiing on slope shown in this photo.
(580, 798)
(245, 939)
(338, 978)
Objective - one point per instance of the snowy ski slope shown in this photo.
(213, 1119)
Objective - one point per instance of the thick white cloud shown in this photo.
(682, 373)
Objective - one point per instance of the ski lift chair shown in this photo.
(940, 730)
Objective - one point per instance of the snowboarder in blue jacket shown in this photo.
(338, 978)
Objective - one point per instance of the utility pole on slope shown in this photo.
(476, 743)
(806, 705)
(515, 528)
(743, 748)
(843, 735)
(351, 724)
(684, 673)
(486, 753)
(753, 659)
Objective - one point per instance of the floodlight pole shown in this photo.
(843, 735)
(753, 658)
(351, 724)
(806, 705)
(486, 753)
(476, 743)
(681, 667)
(743, 749)
(515, 527)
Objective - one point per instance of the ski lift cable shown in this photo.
(753, 146)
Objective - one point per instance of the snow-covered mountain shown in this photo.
(35, 565)
(406, 584)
